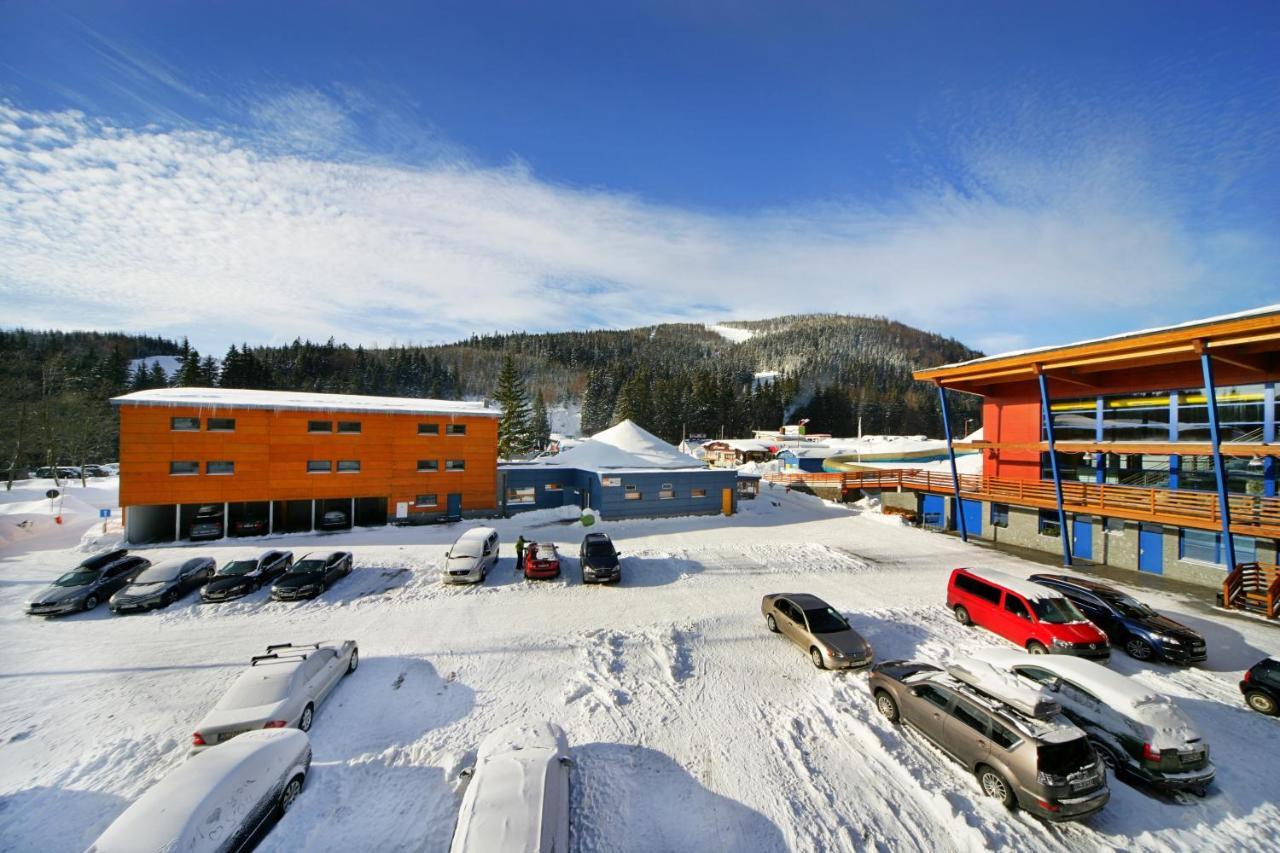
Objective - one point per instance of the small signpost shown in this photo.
(104, 513)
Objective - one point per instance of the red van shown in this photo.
(1039, 619)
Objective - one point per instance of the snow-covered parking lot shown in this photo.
(691, 726)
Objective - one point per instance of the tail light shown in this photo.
(1248, 675)
(1150, 753)
(197, 740)
(275, 724)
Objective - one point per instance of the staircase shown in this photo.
(1254, 587)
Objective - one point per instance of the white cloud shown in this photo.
(196, 232)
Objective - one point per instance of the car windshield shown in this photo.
(1056, 611)
(1059, 759)
(600, 551)
(307, 567)
(825, 621)
(238, 567)
(1129, 606)
(76, 578)
(159, 574)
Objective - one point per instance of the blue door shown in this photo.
(1151, 549)
(972, 516)
(1082, 537)
(453, 506)
(932, 511)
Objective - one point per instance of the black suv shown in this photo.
(1128, 623)
(1261, 687)
(599, 560)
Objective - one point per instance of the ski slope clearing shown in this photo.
(691, 727)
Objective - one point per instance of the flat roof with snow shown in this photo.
(309, 401)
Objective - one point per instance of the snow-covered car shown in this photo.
(208, 523)
(599, 560)
(223, 800)
(281, 689)
(163, 584)
(1261, 687)
(541, 561)
(311, 575)
(816, 627)
(87, 585)
(238, 578)
(471, 557)
(1138, 733)
(517, 799)
(1013, 737)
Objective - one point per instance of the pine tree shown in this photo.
(540, 427)
(158, 378)
(513, 428)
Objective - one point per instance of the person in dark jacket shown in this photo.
(519, 551)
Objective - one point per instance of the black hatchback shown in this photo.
(1261, 687)
(599, 560)
(238, 578)
(1128, 623)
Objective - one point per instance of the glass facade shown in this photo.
(1205, 546)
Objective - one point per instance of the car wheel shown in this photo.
(816, 657)
(1139, 649)
(355, 661)
(962, 615)
(304, 722)
(996, 787)
(1107, 755)
(91, 602)
(168, 600)
(1261, 702)
(886, 706)
(1037, 648)
(771, 623)
(290, 793)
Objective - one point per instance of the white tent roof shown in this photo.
(622, 447)
(243, 398)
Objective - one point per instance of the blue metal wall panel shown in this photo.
(611, 502)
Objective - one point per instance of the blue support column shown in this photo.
(1219, 472)
(1099, 459)
(951, 454)
(1175, 460)
(1269, 436)
(1053, 464)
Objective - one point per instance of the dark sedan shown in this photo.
(311, 575)
(163, 584)
(1128, 623)
(238, 578)
(88, 584)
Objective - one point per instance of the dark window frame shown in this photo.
(209, 424)
(195, 468)
(428, 466)
(455, 429)
(455, 465)
(428, 429)
(328, 427)
(348, 462)
(420, 503)
(342, 427)
(313, 463)
(231, 469)
(194, 424)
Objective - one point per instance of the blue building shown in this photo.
(623, 472)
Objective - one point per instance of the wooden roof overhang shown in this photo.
(1250, 343)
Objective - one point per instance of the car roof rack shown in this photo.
(275, 646)
(1031, 702)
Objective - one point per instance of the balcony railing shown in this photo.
(1250, 516)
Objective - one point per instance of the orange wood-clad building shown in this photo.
(244, 462)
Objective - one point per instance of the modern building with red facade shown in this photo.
(1153, 451)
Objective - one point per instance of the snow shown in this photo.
(169, 363)
(243, 398)
(998, 683)
(622, 447)
(1029, 590)
(731, 333)
(691, 726)
(1153, 717)
(1238, 315)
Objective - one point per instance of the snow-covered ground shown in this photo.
(731, 333)
(691, 726)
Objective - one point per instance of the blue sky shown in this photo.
(1007, 173)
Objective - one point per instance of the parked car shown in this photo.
(311, 575)
(1039, 619)
(1138, 733)
(334, 519)
(281, 688)
(541, 561)
(112, 467)
(250, 527)
(238, 578)
(61, 472)
(223, 800)
(599, 560)
(517, 797)
(208, 522)
(1128, 623)
(163, 584)
(93, 581)
(818, 628)
(96, 471)
(1261, 687)
(471, 557)
(1013, 738)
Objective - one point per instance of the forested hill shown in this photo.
(674, 379)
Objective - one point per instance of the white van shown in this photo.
(517, 800)
(471, 557)
(220, 800)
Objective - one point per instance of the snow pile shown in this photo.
(625, 446)
(243, 398)
(1001, 684)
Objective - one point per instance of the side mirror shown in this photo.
(566, 761)
(466, 772)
